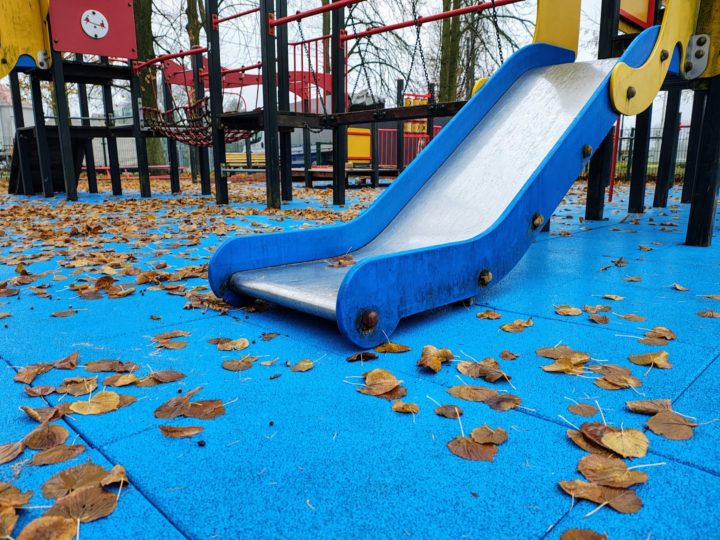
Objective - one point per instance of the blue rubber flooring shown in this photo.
(304, 455)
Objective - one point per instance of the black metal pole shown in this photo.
(400, 146)
(112, 146)
(41, 138)
(139, 135)
(21, 147)
(216, 100)
(431, 118)
(699, 99)
(609, 21)
(63, 126)
(89, 152)
(173, 158)
(307, 150)
(339, 106)
(641, 150)
(599, 178)
(375, 154)
(270, 104)
(283, 66)
(668, 150)
(704, 198)
(203, 153)
(248, 154)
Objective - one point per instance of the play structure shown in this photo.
(464, 212)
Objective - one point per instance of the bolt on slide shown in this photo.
(462, 215)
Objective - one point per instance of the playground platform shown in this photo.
(303, 454)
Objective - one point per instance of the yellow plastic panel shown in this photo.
(633, 90)
(359, 145)
(23, 31)
(709, 23)
(558, 23)
(639, 10)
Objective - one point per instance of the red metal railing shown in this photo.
(311, 12)
(137, 66)
(218, 20)
(414, 143)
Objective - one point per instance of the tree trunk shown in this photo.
(194, 25)
(143, 28)
(454, 55)
(444, 55)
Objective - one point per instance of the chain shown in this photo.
(306, 46)
(418, 44)
(363, 65)
(497, 32)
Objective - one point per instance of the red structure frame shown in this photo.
(68, 35)
(649, 18)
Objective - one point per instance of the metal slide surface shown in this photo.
(460, 216)
(466, 195)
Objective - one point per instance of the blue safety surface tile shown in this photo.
(304, 454)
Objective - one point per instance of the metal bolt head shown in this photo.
(699, 53)
(664, 55)
(538, 221)
(587, 151)
(631, 92)
(689, 66)
(369, 320)
(701, 41)
(485, 278)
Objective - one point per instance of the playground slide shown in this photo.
(458, 218)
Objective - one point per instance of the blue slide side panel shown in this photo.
(399, 285)
(260, 251)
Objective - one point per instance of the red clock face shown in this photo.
(94, 27)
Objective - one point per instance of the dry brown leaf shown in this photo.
(111, 366)
(487, 435)
(661, 332)
(466, 448)
(610, 472)
(5, 315)
(709, 314)
(613, 297)
(615, 377)
(712, 296)
(503, 402)
(172, 345)
(362, 357)
(582, 534)
(119, 380)
(563, 351)
(100, 403)
(586, 444)
(390, 347)
(10, 451)
(625, 501)
(679, 287)
(57, 454)
(633, 279)
(303, 365)
(655, 359)
(175, 432)
(85, 505)
(517, 326)
(8, 520)
(28, 374)
(117, 475)
(487, 369)
(627, 442)
(472, 393)
(568, 311)
(49, 528)
(233, 345)
(206, 409)
(489, 315)
(671, 425)
(449, 411)
(582, 490)
(433, 358)
(592, 310)
(46, 436)
(68, 480)
(176, 406)
(405, 408)
(69, 362)
(12, 496)
(78, 386)
(170, 335)
(39, 391)
(63, 314)
(649, 406)
(583, 409)
(600, 319)
(632, 317)
(159, 377)
(243, 364)
(378, 382)
(508, 355)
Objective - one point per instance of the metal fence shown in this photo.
(626, 147)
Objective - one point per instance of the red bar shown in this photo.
(315, 11)
(238, 15)
(613, 168)
(160, 59)
(422, 20)
(311, 40)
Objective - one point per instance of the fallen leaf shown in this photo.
(85, 505)
(582, 490)
(472, 393)
(378, 382)
(517, 326)
(671, 425)
(243, 364)
(568, 311)
(625, 501)
(49, 528)
(615, 377)
(172, 345)
(466, 448)
(100, 403)
(632, 317)
(206, 409)
(8, 520)
(74, 478)
(63, 314)
(5, 315)
(159, 377)
(582, 534)
(303, 365)
(69, 362)
(649, 406)
(626, 442)
(10, 451)
(487, 369)
(661, 332)
(592, 310)
(613, 297)
(362, 357)
(46, 436)
(600, 319)
(487, 435)
(269, 336)
(120, 379)
(489, 315)
(111, 366)
(583, 409)
(117, 475)
(655, 359)
(503, 402)
(78, 386)
(433, 358)
(234, 345)
(28, 374)
(390, 347)
(679, 287)
(508, 355)
(405, 408)
(57, 454)
(633, 279)
(39, 391)
(712, 296)
(170, 335)
(586, 444)
(709, 314)
(610, 472)
(12, 496)
(449, 411)
(175, 432)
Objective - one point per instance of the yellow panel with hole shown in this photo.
(23, 31)
(558, 23)
(633, 90)
(709, 23)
